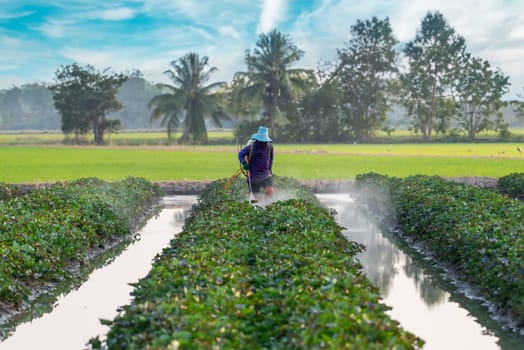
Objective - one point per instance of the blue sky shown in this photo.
(38, 36)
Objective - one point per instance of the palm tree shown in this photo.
(188, 102)
(269, 80)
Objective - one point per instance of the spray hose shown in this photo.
(232, 178)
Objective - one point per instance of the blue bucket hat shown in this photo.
(261, 135)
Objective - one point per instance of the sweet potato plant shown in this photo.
(476, 230)
(8, 191)
(241, 276)
(512, 185)
(44, 232)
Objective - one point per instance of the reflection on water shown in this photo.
(76, 316)
(432, 295)
(417, 302)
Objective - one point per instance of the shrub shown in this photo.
(512, 185)
(8, 191)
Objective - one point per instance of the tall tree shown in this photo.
(435, 57)
(319, 117)
(188, 101)
(84, 96)
(366, 66)
(270, 81)
(480, 92)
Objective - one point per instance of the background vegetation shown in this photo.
(442, 91)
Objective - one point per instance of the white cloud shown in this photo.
(185, 39)
(228, 62)
(117, 14)
(9, 43)
(512, 59)
(187, 8)
(16, 53)
(273, 12)
(229, 31)
(23, 62)
(202, 12)
(53, 29)
(320, 32)
(4, 15)
(517, 33)
(8, 66)
(97, 58)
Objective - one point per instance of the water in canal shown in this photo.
(76, 316)
(419, 301)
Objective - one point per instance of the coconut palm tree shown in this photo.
(188, 101)
(269, 80)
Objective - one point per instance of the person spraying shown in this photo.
(257, 159)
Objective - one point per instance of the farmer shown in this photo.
(257, 158)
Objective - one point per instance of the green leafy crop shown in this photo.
(240, 276)
(8, 191)
(44, 231)
(512, 185)
(478, 231)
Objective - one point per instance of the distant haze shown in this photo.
(31, 108)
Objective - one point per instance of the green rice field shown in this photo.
(123, 138)
(159, 137)
(194, 163)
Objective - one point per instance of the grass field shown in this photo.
(498, 150)
(49, 164)
(481, 135)
(159, 137)
(123, 138)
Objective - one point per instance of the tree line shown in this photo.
(440, 86)
(31, 106)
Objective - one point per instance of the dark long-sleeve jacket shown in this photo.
(261, 162)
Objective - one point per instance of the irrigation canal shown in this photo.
(420, 300)
(419, 296)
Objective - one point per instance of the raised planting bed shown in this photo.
(241, 276)
(477, 232)
(47, 232)
(512, 185)
(8, 191)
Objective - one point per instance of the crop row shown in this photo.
(478, 231)
(8, 191)
(241, 276)
(512, 185)
(45, 231)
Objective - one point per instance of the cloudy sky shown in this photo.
(38, 36)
